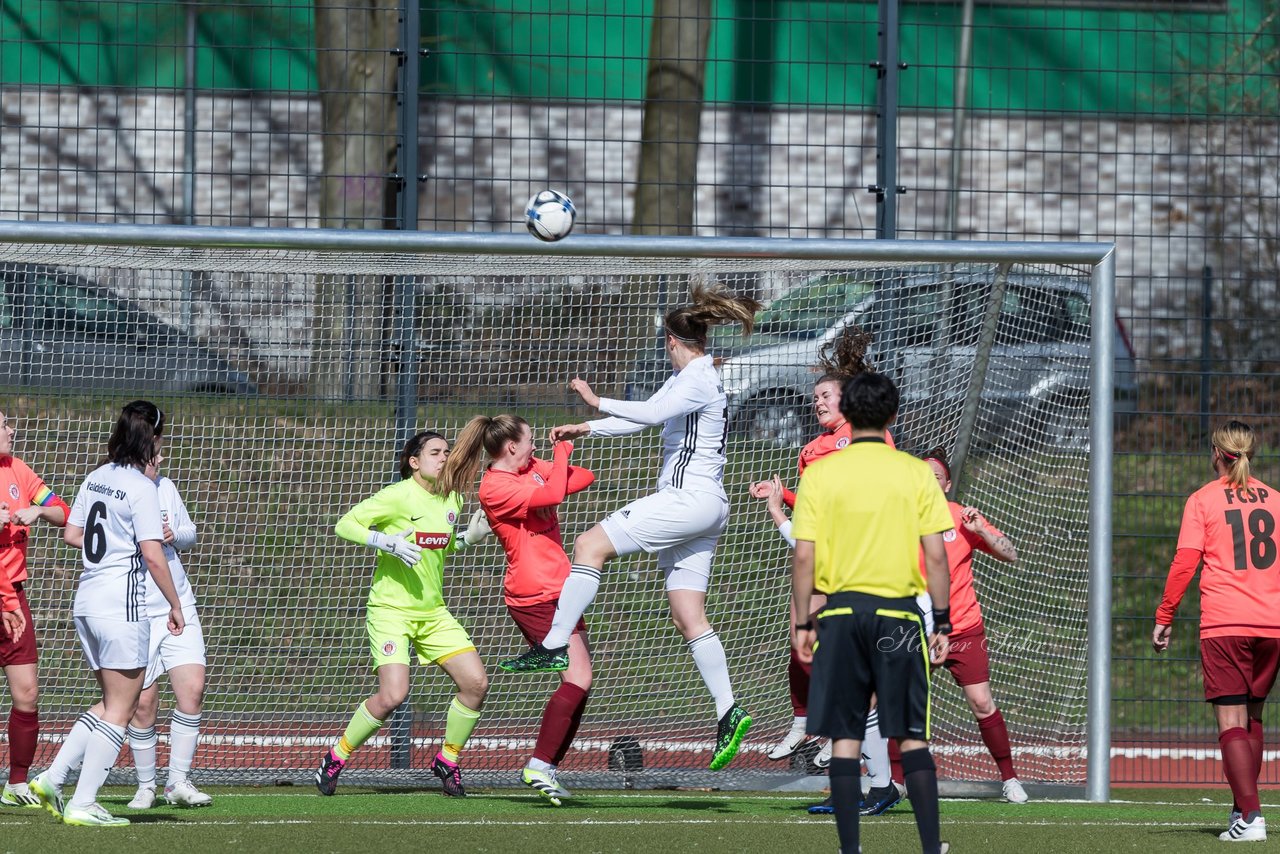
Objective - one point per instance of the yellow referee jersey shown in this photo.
(865, 509)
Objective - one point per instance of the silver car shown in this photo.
(62, 331)
(1037, 378)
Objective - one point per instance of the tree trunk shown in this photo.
(667, 178)
(356, 72)
(667, 183)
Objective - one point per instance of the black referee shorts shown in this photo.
(869, 645)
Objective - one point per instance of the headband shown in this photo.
(942, 463)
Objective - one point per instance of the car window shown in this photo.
(1032, 316)
(806, 311)
(1078, 323)
(919, 317)
(66, 307)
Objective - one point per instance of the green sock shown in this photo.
(457, 729)
(362, 727)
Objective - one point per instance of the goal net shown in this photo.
(289, 377)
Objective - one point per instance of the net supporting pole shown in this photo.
(1102, 371)
(982, 357)
(406, 343)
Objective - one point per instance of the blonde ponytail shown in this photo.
(482, 433)
(710, 307)
(1236, 443)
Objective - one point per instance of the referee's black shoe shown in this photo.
(881, 799)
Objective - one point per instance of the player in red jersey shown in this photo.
(24, 500)
(840, 359)
(519, 494)
(1230, 525)
(967, 660)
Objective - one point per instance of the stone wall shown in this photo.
(1147, 185)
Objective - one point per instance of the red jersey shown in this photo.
(536, 563)
(1235, 533)
(828, 442)
(20, 487)
(966, 614)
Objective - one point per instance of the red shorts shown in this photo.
(1238, 669)
(24, 651)
(535, 620)
(967, 659)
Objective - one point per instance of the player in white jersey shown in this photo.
(682, 521)
(116, 523)
(182, 657)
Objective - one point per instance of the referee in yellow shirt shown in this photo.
(862, 515)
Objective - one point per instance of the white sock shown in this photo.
(142, 744)
(539, 765)
(100, 754)
(798, 723)
(71, 754)
(184, 733)
(708, 655)
(875, 752)
(576, 596)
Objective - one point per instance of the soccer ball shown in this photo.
(549, 215)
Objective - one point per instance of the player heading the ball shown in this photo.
(682, 521)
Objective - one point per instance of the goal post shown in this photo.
(1004, 354)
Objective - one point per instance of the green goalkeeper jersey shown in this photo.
(400, 507)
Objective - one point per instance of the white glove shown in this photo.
(407, 552)
(478, 529)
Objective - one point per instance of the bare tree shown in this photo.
(667, 181)
(667, 176)
(356, 71)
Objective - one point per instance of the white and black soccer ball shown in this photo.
(549, 215)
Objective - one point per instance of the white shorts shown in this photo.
(113, 644)
(681, 526)
(167, 651)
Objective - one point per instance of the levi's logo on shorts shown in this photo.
(432, 541)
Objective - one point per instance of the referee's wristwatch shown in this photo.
(942, 621)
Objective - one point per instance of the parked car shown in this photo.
(1037, 379)
(63, 331)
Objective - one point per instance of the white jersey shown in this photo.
(692, 410)
(118, 507)
(174, 512)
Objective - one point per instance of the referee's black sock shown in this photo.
(922, 788)
(846, 797)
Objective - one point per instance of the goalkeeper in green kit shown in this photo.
(413, 529)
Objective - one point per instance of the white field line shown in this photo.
(1204, 754)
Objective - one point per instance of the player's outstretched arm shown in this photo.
(570, 431)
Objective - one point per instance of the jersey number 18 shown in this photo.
(1260, 552)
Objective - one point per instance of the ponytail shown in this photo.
(1236, 443)
(845, 356)
(482, 433)
(710, 307)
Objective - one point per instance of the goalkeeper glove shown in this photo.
(478, 529)
(408, 553)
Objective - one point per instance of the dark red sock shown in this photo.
(1258, 742)
(798, 678)
(895, 759)
(1237, 763)
(557, 721)
(995, 735)
(575, 720)
(24, 729)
